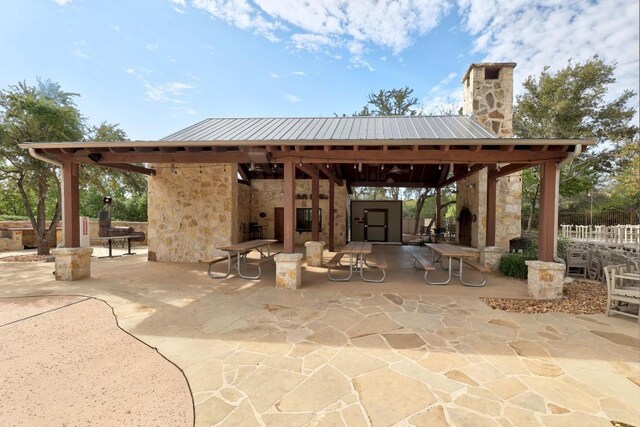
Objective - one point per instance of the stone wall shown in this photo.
(472, 194)
(267, 194)
(508, 209)
(244, 208)
(192, 210)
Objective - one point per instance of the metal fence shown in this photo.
(585, 218)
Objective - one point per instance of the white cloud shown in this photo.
(275, 75)
(131, 71)
(62, 2)
(151, 46)
(299, 73)
(179, 2)
(551, 32)
(180, 11)
(292, 98)
(167, 92)
(79, 50)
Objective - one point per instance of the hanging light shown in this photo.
(359, 167)
(439, 167)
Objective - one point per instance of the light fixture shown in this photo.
(359, 167)
(471, 186)
(96, 157)
(439, 167)
(411, 167)
(468, 168)
(382, 167)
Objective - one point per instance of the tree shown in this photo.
(394, 102)
(36, 113)
(572, 103)
(128, 189)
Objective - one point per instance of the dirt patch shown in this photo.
(25, 258)
(578, 298)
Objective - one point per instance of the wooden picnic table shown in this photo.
(463, 254)
(240, 252)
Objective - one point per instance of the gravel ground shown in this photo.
(24, 258)
(579, 297)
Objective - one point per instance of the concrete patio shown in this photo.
(363, 354)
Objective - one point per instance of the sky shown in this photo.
(157, 66)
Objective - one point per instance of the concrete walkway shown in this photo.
(362, 354)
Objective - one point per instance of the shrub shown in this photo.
(513, 265)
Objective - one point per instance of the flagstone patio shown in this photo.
(363, 354)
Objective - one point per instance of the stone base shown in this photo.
(288, 271)
(545, 280)
(72, 263)
(490, 256)
(314, 253)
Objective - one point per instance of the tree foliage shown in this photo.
(36, 113)
(574, 103)
(393, 102)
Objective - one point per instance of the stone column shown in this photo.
(314, 253)
(545, 280)
(490, 256)
(72, 263)
(288, 271)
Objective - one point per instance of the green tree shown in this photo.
(394, 102)
(36, 113)
(573, 103)
(128, 189)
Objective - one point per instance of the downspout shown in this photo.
(35, 155)
(568, 159)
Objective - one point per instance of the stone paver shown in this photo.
(361, 354)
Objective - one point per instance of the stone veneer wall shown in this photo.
(244, 208)
(490, 103)
(267, 194)
(192, 212)
(476, 200)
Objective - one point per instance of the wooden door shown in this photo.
(278, 224)
(464, 233)
(376, 225)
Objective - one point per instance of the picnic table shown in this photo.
(239, 251)
(360, 250)
(463, 254)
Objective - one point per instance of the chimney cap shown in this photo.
(488, 65)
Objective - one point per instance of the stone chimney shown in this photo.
(488, 96)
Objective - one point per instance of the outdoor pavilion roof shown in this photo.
(409, 151)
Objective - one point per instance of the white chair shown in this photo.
(623, 291)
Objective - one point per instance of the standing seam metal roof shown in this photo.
(333, 128)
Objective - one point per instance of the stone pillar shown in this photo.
(490, 256)
(545, 280)
(314, 253)
(288, 271)
(72, 263)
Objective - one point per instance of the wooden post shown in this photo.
(331, 214)
(315, 207)
(438, 209)
(546, 227)
(491, 209)
(289, 205)
(71, 202)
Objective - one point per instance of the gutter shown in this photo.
(35, 155)
(570, 158)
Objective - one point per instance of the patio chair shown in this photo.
(105, 229)
(623, 293)
(576, 261)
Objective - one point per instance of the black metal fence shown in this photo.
(585, 218)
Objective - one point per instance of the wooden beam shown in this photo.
(438, 209)
(181, 157)
(332, 219)
(462, 175)
(71, 203)
(509, 169)
(127, 168)
(423, 156)
(329, 174)
(393, 184)
(289, 206)
(315, 208)
(491, 209)
(310, 170)
(539, 148)
(547, 212)
(243, 170)
(507, 147)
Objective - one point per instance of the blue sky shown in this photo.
(156, 66)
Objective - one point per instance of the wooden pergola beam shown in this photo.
(310, 170)
(463, 175)
(329, 174)
(181, 157)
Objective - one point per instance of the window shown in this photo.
(303, 219)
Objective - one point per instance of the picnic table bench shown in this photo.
(462, 254)
(361, 250)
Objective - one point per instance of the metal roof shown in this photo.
(333, 128)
